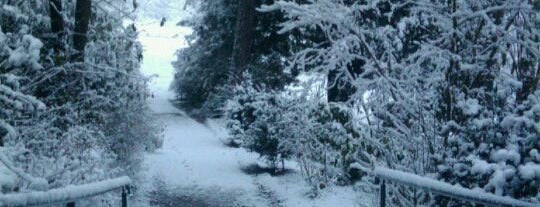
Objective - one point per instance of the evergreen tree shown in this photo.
(217, 45)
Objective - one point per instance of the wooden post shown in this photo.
(124, 196)
(70, 204)
(383, 194)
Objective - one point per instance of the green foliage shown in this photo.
(252, 119)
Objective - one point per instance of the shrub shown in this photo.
(280, 126)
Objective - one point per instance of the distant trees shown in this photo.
(224, 47)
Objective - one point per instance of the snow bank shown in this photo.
(446, 189)
(292, 190)
(63, 195)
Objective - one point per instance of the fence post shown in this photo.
(124, 196)
(383, 193)
(70, 204)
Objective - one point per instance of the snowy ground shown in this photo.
(194, 168)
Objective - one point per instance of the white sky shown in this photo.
(161, 43)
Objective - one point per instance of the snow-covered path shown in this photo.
(194, 163)
(194, 167)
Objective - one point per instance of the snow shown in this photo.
(291, 189)
(535, 155)
(160, 45)
(63, 195)
(504, 155)
(529, 171)
(470, 106)
(446, 189)
(482, 167)
(27, 53)
(5, 126)
(35, 183)
(193, 155)
(8, 179)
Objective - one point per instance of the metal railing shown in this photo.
(441, 188)
(68, 195)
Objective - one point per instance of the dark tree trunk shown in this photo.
(83, 13)
(243, 37)
(57, 23)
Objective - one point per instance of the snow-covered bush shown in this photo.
(61, 150)
(485, 103)
(97, 123)
(318, 141)
(445, 88)
(16, 52)
(278, 126)
(252, 117)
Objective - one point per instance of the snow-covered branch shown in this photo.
(445, 189)
(64, 195)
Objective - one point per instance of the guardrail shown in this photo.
(441, 188)
(67, 195)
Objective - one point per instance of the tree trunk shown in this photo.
(57, 24)
(243, 37)
(83, 13)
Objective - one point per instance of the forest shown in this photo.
(302, 102)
